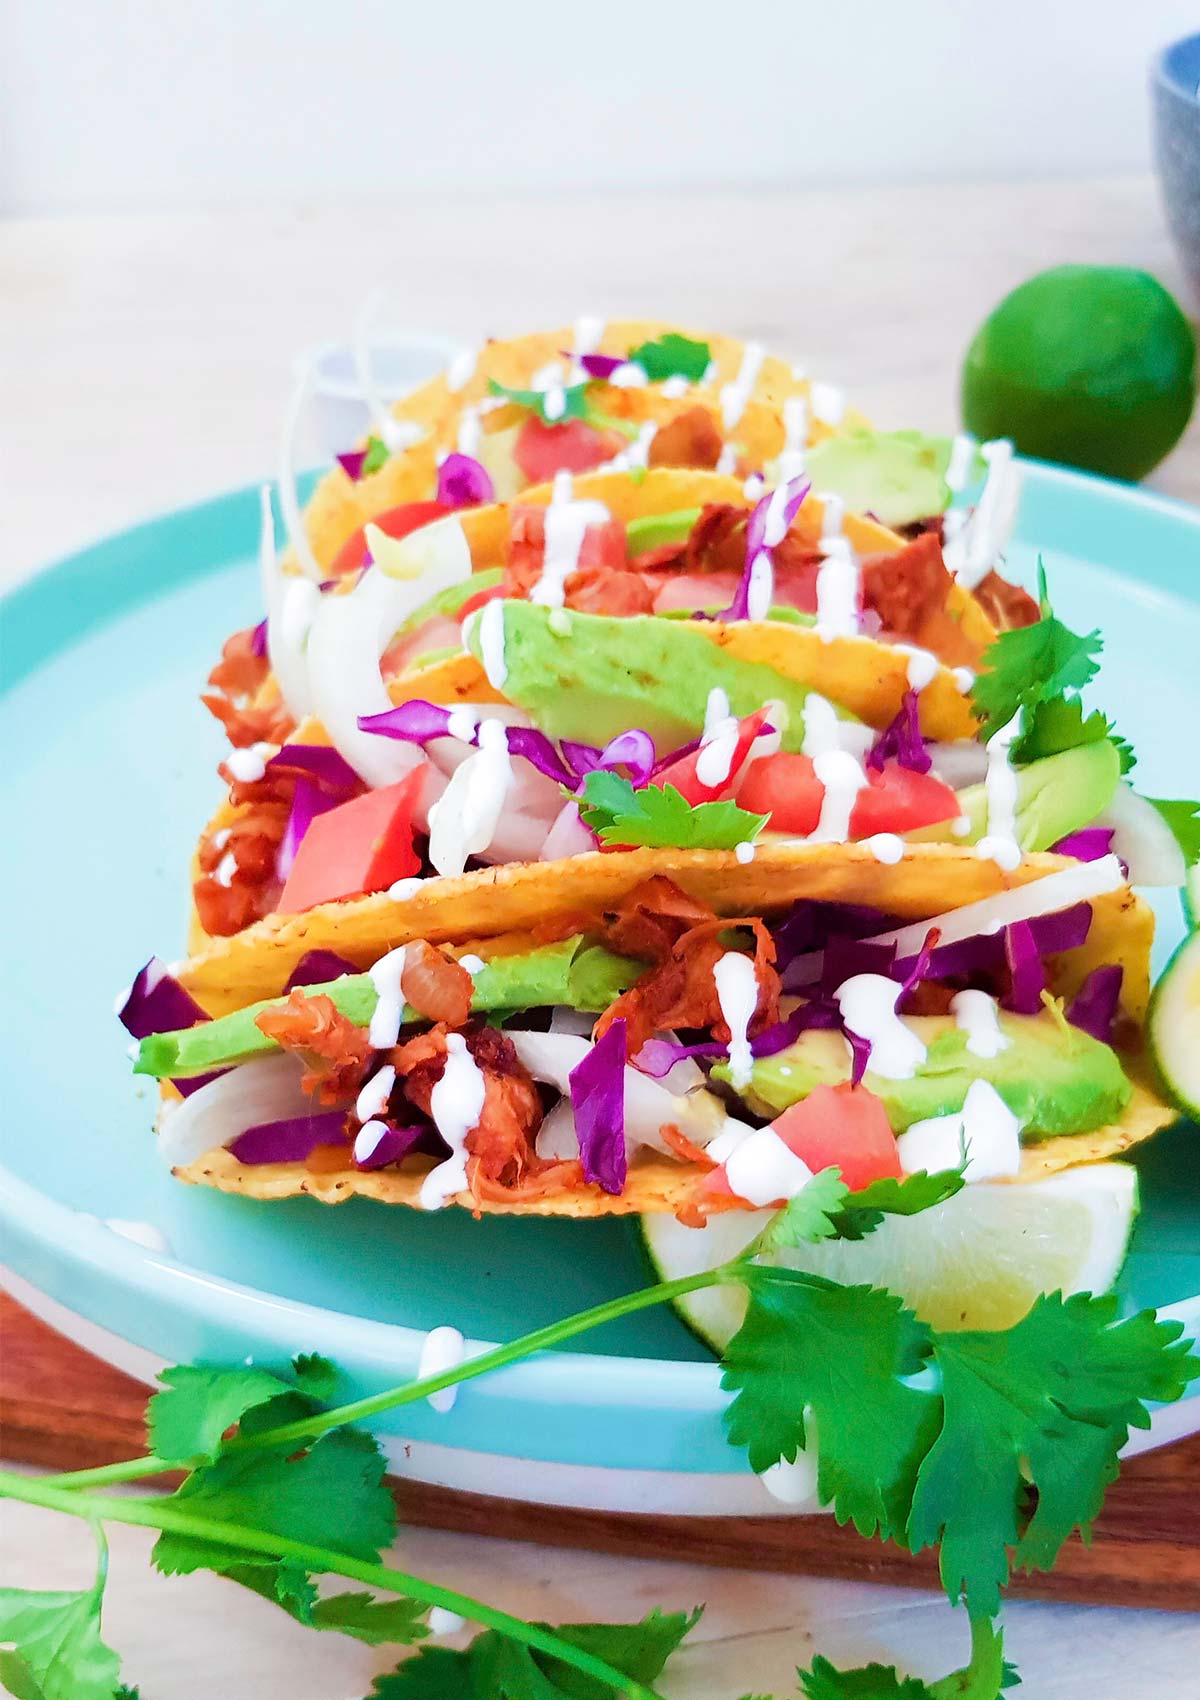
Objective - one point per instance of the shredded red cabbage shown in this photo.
(540, 752)
(598, 1101)
(290, 1140)
(658, 1057)
(258, 639)
(810, 924)
(1086, 845)
(320, 762)
(414, 722)
(308, 801)
(1026, 970)
(157, 1003)
(901, 740)
(317, 968)
(767, 526)
(601, 365)
(352, 463)
(395, 1144)
(463, 482)
(633, 749)
(1095, 1005)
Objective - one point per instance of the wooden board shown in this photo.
(64, 1409)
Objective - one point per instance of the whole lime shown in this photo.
(1091, 365)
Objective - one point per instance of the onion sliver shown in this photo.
(267, 1089)
(1143, 840)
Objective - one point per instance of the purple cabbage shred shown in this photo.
(598, 1101)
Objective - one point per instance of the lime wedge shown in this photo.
(1091, 365)
(1173, 1025)
(977, 1261)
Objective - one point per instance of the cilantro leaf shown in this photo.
(379, 1623)
(809, 1216)
(53, 1649)
(315, 1376)
(809, 1343)
(1183, 818)
(124, 1692)
(1057, 1394)
(865, 1209)
(377, 455)
(823, 1681)
(575, 405)
(1032, 665)
(188, 1419)
(1058, 725)
(672, 356)
(495, 1668)
(333, 1496)
(662, 817)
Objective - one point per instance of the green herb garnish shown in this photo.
(672, 356)
(661, 816)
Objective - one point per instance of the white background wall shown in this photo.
(138, 104)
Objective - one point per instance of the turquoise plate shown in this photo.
(109, 772)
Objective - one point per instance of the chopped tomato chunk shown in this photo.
(602, 546)
(844, 1127)
(702, 777)
(574, 446)
(894, 800)
(360, 846)
(394, 522)
(477, 600)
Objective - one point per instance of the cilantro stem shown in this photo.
(159, 1512)
(320, 1422)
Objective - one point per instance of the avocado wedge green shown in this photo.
(1056, 1081)
(582, 976)
(1056, 795)
(656, 531)
(898, 476)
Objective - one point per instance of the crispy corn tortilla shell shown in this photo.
(527, 896)
(339, 506)
(656, 1185)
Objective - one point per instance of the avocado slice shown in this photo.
(898, 476)
(582, 976)
(1055, 795)
(591, 676)
(655, 531)
(450, 600)
(1055, 1081)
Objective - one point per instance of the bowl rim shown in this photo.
(1168, 68)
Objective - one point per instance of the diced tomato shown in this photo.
(896, 800)
(683, 774)
(844, 1126)
(674, 590)
(901, 800)
(574, 446)
(602, 546)
(360, 846)
(479, 598)
(438, 632)
(394, 522)
(785, 787)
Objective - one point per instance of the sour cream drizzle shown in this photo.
(868, 1005)
(491, 643)
(385, 1020)
(999, 844)
(443, 1348)
(737, 994)
(718, 742)
(973, 546)
(763, 1170)
(727, 460)
(461, 370)
(977, 1015)
(372, 1099)
(470, 432)
(456, 1104)
(985, 1130)
(463, 822)
(828, 403)
(923, 665)
(735, 395)
(566, 523)
(795, 438)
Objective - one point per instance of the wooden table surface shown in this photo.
(146, 361)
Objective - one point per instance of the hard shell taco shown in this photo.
(657, 607)
(662, 1030)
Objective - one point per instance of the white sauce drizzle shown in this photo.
(637, 453)
(961, 825)
(744, 851)
(226, 868)
(762, 1169)
(249, 764)
(629, 376)
(735, 395)
(974, 547)
(471, 963)
(923, 665)
(977, 1015)
(837, 590)
(566, 523)
(718, 741)
(828, 403)
(456, 1104)
(372, 1099)
(385, 1019)
(716, 713)
(886, 847)
(963, 678)
(821, 726)
(219, 841)
(833, 516)
(368, 1139)
(491, 644)
(462, 723)
(405, 888)
(470, 433)
(737, 994)
(461, 370)
(675, 386)
(985, 1129)
(962, 458)
(727, 460)
(843, 776)
(868, 1005)
(754, 486)
(443, 1622)
(999, 844)
(463, 822)
(588, 331)
(442, 1349)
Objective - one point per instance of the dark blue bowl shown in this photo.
(1175, 89)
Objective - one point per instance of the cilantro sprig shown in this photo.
(661, 816)
(376, 455)
(282, 1489)
(672, 356)
(574, 401)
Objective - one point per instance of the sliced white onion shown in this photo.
(649, 1105)
(350, 633)
(557, 1139)
(291, 602)
(1045, 896)
(265, 1090)
(959, 763)
(567, 836)
(1143, 840)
